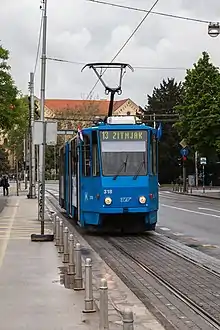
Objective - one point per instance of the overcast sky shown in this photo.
(84, 32)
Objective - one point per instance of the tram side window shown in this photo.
(95, 155)
(86, 156)
(154, 154)
(73, 156)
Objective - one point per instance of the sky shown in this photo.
(83, 32)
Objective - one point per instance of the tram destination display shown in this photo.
(123, 135)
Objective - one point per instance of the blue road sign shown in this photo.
(184, 152)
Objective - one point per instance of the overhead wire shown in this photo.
(135, 67)
(124, 45)
(151, 12)
(39, 43)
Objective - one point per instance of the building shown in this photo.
(87, 108)
(73, 113)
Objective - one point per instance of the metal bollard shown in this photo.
(78, 280)
(54, 224)
(61, 246)
(66, 246)
(57, 238)
(128, 319)
(103, 324)
(89, 303)
(71, 268)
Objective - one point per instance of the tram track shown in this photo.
(119, 252)
(189, 302)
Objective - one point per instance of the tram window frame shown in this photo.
(153, 153)
(95, 155)
(86, 151)
(73, 157)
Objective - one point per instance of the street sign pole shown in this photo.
(203, 178)
(184, 177)
(203, 162)
(184, 153)
(196, 169)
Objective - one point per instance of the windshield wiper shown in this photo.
(139, 169)
(123, 165)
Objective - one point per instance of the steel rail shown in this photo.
(191, 304)
(195, 307)
(169, 249)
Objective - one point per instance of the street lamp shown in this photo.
(214, 29)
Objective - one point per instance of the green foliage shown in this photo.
(162, 103)
(165, 98)
(199, 114)
(4, 165)
(52, 158)
(9, 105)
(17, 133)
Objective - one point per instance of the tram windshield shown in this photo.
(123, 153)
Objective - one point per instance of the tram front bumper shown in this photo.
(121, 210)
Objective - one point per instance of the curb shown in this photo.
(195, 195)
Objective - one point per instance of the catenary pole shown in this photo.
(41, 201)
(32, 189)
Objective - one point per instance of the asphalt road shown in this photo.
(186, 217)
(194, 221)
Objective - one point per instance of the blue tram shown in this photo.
(108, 176)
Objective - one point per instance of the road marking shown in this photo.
(164, 228)
(204, 208)
(190, 211)
(7, 233)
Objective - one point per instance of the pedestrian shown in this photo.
(5, 185)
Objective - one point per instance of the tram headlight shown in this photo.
(108, 200)
(142, 200)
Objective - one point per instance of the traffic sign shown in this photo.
(203, 161)
(183, 143)
(184, 152)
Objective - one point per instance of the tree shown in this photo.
(162, 103)
(16, 135)
(81, 116)
(9, 104)
(4, 165)
(69, 119)
(199, 115)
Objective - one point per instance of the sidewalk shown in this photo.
(213, 193)
(31, 296)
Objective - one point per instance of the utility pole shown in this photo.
(17, 179)
(154, 116)
(41, 201)
(196, 170)
(41, 186)
(25, 160)
(32, 188)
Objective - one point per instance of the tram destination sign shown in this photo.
(123, 135)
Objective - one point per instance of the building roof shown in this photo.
(100, 107)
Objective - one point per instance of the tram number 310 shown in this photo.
(107, 191)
